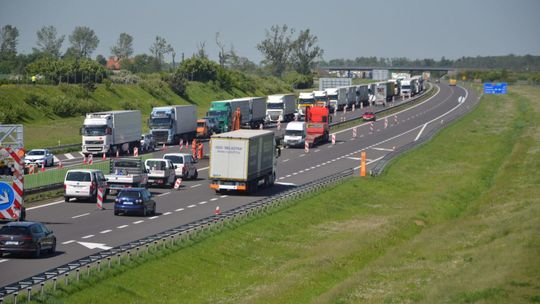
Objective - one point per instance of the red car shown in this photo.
(369, 116)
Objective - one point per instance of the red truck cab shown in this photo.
(317, 119)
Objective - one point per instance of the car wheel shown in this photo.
(116, 212)
(154, 210)
(66, 199)
(53, 248)
(37, 254)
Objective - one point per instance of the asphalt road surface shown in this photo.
(82, 229)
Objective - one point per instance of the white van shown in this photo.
(295, 134)
(84, 183)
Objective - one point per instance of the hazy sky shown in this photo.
(345, 28)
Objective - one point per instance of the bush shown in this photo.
(11, 113)
(36, 101)
(124, 77)
(156, 88)
(177, 82)
(64, 106)
(199, 69)
(129, 105)
(108, 84)
(299, 81)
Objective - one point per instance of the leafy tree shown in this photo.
(8, 40)
(201, 51)
(276, 48)
(177, 82)
(142, 63)
(83, 42)
(47, 41)
(199, 69)
(101, 60)
(124, 46)
(242, 64)
(159, 48)
(305, 51)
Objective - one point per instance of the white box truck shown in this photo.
(108, 132)
(242, 160)
(280, 107)
(169, 124)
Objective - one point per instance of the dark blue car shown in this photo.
(135, 200)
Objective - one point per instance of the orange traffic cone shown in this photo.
(43, 167)
(217, 211)
(103, 156)
(60, 166)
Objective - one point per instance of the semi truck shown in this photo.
(337, 98)
(169, 124)
(111, 131)
(351, 96)
(321, 99)
(317, 129)
(381, 93)
(242, 160)
(280, 107)
(405, 87)
(257, 111)
(223, 111)
(305, 100)
(362, 94)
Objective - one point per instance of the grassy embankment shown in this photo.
(455, 220)
(44, 128)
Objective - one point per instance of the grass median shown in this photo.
(455, 220)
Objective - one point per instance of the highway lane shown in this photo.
(81, 222)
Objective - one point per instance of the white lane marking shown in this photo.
(286, 184)
(224, 196)
(317, 150)
(81, 154)
(420, 133)
(288, 175)
(354, 158)
(368, 163)
(69, 156)
(302, 155)
(286, 160)
(301, 171)
(312, 168)
(122, 227)
(153, 217)
(317, 166)
(341, 143)
(3, 260)
(295, 173)
(202, 169)
(191, 206)
(80, 215)
(68, 242)
(195, 186)
(87, 236)
(105, 231)
(330, 146)
(203, 202)
(282, 177)
(44, 205)
(307, 169)
(167, 213)
(138, 222)
(214, 199)
(163, 194)
(179, 209)
(382, 149)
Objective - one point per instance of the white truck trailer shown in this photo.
(351, 96)
(257, 111)
(112, 131)
(169, 124)
(362, 94)
(242, 160)
(337, 98)
(280, 107)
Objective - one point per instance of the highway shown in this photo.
(81, 229)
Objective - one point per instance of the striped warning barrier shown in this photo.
(100, 198)
(13, 211)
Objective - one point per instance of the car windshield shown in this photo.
(94, 130)
(293, 132)
(78, 176)
(156, 165)
(14, 230)
(129, 194)
(276, 106)
(174, 159)
(36, 152)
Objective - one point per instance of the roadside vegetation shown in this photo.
(461, 227)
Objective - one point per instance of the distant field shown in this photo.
(454, 221)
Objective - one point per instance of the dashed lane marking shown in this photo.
(80, 215)
(195, 186)
(302, 155)
(153, 217)
(3, 260)
(87, 236)
(214, 199)
(382, 149)
(122, 227)
(167, 213)
(179, 209)
(68, 242)
(224, 196)
(163, 194)
(105, 231)
(138, 222)
(286, 160)
(203, 202)
(191, 206)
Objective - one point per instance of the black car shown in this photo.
(26, 237)
(135, 200)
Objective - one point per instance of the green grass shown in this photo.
(54, 176)
(455, 220)
(42, 128)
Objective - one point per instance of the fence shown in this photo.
(152, 244)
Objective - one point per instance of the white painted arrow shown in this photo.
(94, 245)
(4, 198)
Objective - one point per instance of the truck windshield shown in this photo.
(306, 101)
(332, 97)
(405, 87)
(160, 122)
(201, 124)
(323, 99)
(216, 113)
(95, 130)
(275, 106)
(293, 132)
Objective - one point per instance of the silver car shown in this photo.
(39, 157)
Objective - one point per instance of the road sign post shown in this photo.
(495, 88)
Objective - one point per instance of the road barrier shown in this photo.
(48, 280)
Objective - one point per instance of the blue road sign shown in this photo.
(495, 88)
(6, 196)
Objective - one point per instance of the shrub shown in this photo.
(299, 81)
(36, 101)
(177, 82)
(64, 106)
(108, 84)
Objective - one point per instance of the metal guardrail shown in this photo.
(381, 164)
(37, 284)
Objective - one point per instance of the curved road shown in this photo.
(80, 222)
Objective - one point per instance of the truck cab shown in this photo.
(332, 94)
(221, 112)
(321, 99)
(295, 134)
(160, 172)
(305, 100)
(317, 120)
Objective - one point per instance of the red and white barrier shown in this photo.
(395, 119)
(217, 211)
(261, 126)
(333, 139)
(43, 166)
(371, 127)
(31, 169)
(13, 212)
(386, 122)
(164, 147)
(117, 153)
(103, 156)
(306, 147)
(181, 145)
(135, 151)
(279, 125)
(354, 132)
(60, 165)
(90, 159)
(177, 183)
(353, 107)
(84, 161)
(100, 193)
